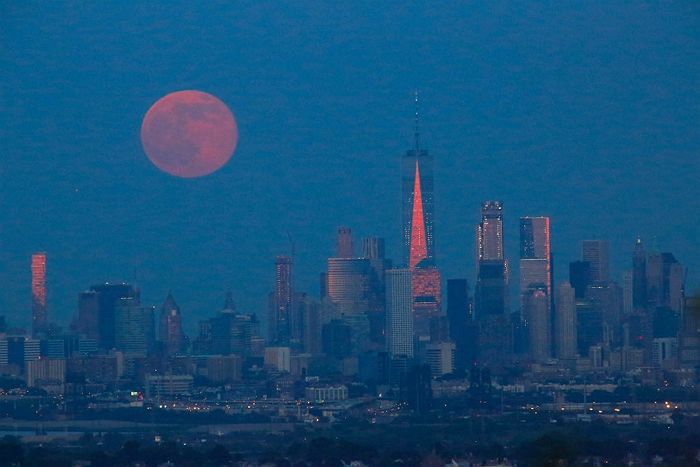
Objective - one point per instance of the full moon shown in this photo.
(189, 134)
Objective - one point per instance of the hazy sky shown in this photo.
(588, 112)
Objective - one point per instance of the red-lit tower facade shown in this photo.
(417, 210)
(39, 314)
(419, 251)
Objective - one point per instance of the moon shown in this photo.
(189, 134)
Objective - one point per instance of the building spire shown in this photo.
(418, 249)
(416, 133)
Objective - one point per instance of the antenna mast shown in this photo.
(416, 133)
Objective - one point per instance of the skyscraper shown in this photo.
(580, 277)
(491, 295)
(133, 327)
(689, 336)
(417, 211)
(440, 357)
(489, 232)
(495, 329)
(565, 322)
(373, 250)
(280, 303)
(628, 292)
(232, 332)
(534, 237)
(313, 315)
(429, 320)
(87, 321)
(595, 252)
(665, 281)
(349, 284)
(108, 296)
(350, 288)
(535, 254)
(344, 247)
(537, 314)
(399, 313)
(461, 323)
(419, 246)
(171, 334)
(39, 314)
(639, 276)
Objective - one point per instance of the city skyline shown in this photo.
(590, 251)
(534, 247)
(593, 251)
(525, 133)
(354, 233)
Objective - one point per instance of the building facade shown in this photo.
(280, 302)
(170, 333)
(417, 206)
(565, 322)
(39, 311)
(595, 253)
(399, 313)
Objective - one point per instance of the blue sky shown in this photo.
(588, 112)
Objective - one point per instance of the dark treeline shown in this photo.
(550, 448)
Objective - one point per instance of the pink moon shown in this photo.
(189, 134)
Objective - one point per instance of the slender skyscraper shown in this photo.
(628, 292)
(373, 250)
(417, 211)
(39, 314)
(461, 322)
(565, 322)
(639, 276)
(399, 313)
(281, 302)
(495, 333)
(535, 254)
(537, 314)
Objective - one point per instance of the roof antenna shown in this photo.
(416, 134)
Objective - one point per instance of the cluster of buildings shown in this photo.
(383, 323)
